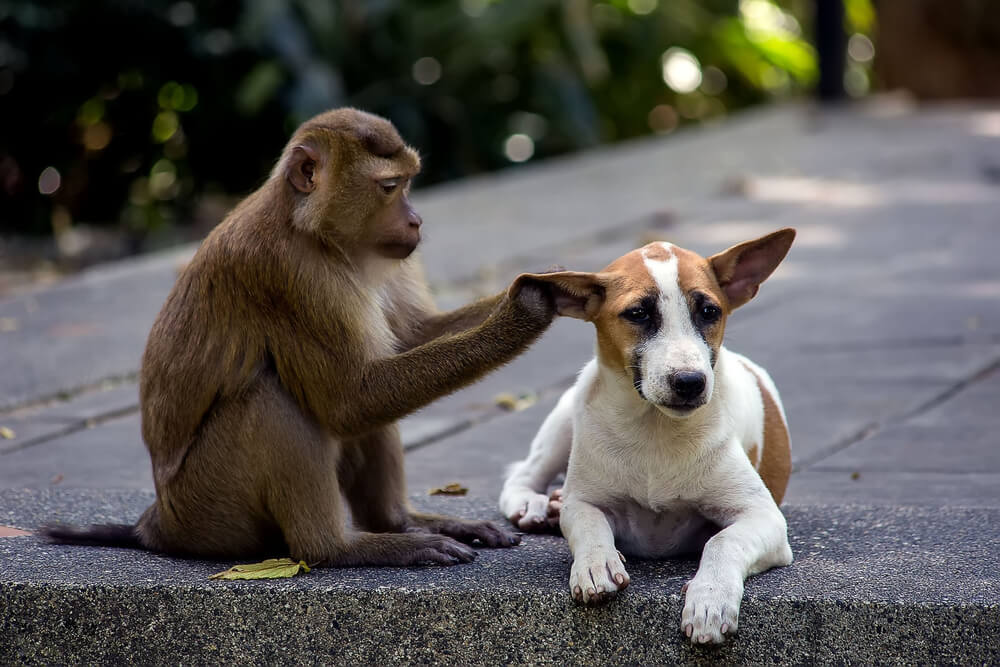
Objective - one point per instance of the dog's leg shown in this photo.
(754, 538)
(523, 499)
(597, 573)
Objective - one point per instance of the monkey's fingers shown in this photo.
(444, 551)
(485, 532)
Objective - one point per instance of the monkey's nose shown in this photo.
(414, 219)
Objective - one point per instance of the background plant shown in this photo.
(126, 113)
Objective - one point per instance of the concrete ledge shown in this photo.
(868, 585)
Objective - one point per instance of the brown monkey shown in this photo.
(288, 349)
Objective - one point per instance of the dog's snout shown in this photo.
(688, 384)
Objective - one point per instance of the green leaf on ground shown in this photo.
(272, 568)
(7, 433)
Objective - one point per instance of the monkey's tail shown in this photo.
(106, 535)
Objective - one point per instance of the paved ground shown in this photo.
(881, 329)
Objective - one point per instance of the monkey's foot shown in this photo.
(464, 530)
(401, 549)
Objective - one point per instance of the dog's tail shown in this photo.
(106, 535)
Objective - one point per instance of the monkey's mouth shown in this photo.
(397, 250)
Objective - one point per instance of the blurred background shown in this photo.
(128, 126)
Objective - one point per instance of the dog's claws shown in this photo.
(689, 629)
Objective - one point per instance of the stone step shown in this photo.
(868, 585)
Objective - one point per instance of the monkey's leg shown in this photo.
(384, 507)
(300, 466)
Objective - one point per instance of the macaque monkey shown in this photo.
(292, 343)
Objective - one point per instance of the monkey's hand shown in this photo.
(530, 300)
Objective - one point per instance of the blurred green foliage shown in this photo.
(124, 112)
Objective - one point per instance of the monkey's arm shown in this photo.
(431, 325)
(390, 388)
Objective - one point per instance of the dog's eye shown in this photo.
(638, 315)
(710, 313)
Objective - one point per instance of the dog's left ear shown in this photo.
(741, 269)
(576, 294)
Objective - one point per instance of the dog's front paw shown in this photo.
(597, 577)
(534, 512)
(711, 609)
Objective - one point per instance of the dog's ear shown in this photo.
(575, 294)
(741, 269)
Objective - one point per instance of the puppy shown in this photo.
(671, 444)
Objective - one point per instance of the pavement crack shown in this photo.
(486, 415)
(871, 428)
(67, 395)
(70, 428)
(901, 343)
(541, 256)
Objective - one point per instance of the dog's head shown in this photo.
(660, 312)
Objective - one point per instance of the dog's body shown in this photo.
(671, 443)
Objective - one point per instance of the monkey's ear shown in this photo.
(576, 294)
(300, 170)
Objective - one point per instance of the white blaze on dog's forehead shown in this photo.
(663, 270)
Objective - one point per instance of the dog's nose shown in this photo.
(688, 384)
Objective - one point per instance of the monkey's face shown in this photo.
(395, 227)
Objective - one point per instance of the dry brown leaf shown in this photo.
(453, 489)
(512, 403)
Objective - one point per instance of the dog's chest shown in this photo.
(642, 531)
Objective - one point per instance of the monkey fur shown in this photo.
(298, 335)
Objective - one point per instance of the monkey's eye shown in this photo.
(388, 185)
(710, 313)
(637, 315)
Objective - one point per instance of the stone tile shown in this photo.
(110, 455)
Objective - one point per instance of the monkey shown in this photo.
(298, 335)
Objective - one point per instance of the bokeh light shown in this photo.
(97, 136)
(713, 81)
(475, 8)
(860, 48)
(164, 126)
(426, 71)
(681, 70)
(519, 147)
(642, 7)
(49, 181)
(662, 119)
(182, 14)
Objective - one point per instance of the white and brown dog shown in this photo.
(671, 443)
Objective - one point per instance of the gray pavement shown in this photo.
(869, 586)
(881, 329)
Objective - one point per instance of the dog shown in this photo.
(670, 443)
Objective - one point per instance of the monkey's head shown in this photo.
(348, 173)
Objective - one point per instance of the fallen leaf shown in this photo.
(272, 568)
(453, 489)
(855, 475)
(512, 403)
(57, 479)
(8, 531)
(7, 433)
(8, 324)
